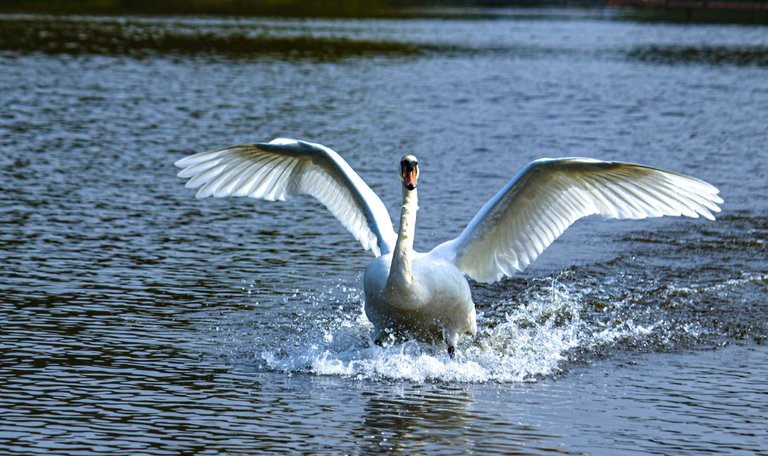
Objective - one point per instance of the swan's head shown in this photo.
(409, 171)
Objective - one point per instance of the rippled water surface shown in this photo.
(139, 320)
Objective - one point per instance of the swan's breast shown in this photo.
(435, 282)
(438, 300)
(442, 281)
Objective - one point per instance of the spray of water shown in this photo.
(530, 341)
(527, 334)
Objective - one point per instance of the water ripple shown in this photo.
(138, 320)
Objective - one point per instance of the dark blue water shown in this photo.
(138, 320)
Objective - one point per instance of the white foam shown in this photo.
(532, 341)
(549, 323)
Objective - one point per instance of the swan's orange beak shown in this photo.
(409, 171)
(410, 178)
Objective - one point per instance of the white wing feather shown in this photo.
(283, 168)
(547, 196)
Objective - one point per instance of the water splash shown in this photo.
(538, 329)
(531, 341)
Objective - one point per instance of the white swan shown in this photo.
(426, 295)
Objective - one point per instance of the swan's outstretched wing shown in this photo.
(548, 195)
(284, 168)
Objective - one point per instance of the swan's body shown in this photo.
(435, 305)
(426, 295)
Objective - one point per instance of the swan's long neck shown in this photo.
(400, 274)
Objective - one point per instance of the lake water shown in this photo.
(135, 319)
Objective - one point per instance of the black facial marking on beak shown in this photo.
(409, 171)
(407, 166)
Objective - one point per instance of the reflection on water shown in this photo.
(397, 423)
(140, 37)
(136, 319)
(428, 418)
(702, 54)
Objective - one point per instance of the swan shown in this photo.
(427, 295)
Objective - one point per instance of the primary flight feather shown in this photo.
(426, 295)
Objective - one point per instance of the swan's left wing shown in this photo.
(284, 168)
(547, 196)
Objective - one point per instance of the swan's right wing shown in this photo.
(547, 196)
(284, 168)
